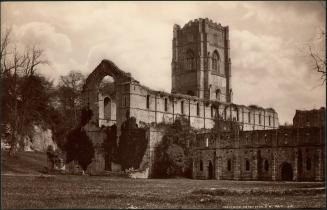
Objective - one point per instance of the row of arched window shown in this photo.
(247, 165)
(191, 61)
(212, 110)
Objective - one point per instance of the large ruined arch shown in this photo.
(91, 90)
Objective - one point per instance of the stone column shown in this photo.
(295, 168)
(318, 176)
(274, 166)
(237, 167)
(255, 166)
(219, 168)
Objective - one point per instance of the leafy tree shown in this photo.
(78, 146)
(132, 144)
(175, 153)
(18, 71)
(68, 105)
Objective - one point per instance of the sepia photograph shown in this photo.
(163, 105)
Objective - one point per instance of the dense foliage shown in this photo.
(174, 153)
(79, 147)
(132, 144)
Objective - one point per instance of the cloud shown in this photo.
(268, 68)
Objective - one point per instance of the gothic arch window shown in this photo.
(201, 165)
(190, 60)
(107, 108)
(266, 165)
(247, 165)
(308, 164)
(249, 117)
(215, 62)
(218, 92)
(166, 105)
(197, 109)
(237, 113)
(148, 101)
(229, 165)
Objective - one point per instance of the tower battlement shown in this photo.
(201, 60)
(199, 23)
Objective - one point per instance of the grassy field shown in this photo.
(31, 190)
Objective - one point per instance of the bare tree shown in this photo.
(73, 82)
(318, 55)
(317, 50)
(4, 53)
(15, 65)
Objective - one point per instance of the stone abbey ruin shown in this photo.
(231, 141)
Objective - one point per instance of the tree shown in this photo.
(316, 50)
(175, 153)
(70, 89)
(78, 146)
(68, 105)
(18, 72)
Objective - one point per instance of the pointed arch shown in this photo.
(190, 60)
(215, 62)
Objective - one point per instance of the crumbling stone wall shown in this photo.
(266, 151)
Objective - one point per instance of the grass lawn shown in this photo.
(24, 187)
(67, 191)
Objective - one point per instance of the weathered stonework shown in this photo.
(202, 93)
(280, 154)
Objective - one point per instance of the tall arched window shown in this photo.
(190, 61)
(229, 165)
(215, 62)
(201, 165)
(166, 105)
(197, 109)
(308, 164)
(218, 92)
(147, 101)
(247, 165)
(107, 108)
(182, 107)
(266, 166)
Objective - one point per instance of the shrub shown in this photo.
(79, 147)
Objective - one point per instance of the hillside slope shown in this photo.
(23, 163)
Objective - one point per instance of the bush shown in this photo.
(174, 153)
(132, 145)
(79, 147)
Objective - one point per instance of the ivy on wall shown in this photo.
(132, 145)
(78, 146)
(175, 153)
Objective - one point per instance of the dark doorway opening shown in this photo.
(287, 172)
(210, 171)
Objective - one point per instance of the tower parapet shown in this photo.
(201, 64)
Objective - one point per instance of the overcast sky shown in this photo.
(269, 66)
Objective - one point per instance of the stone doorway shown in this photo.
(286, 172)
(210, 171)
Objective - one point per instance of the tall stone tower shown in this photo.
(201, 64)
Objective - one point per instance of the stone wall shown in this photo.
(263, 154)
(164, 108)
